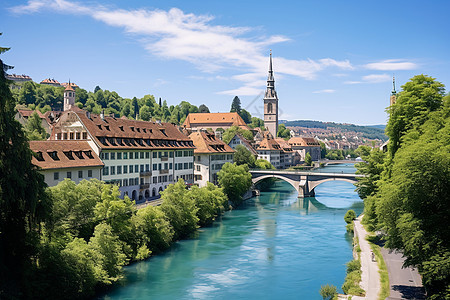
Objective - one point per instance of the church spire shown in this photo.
(271, 103)
(393, 85)
(393, 98)
(270, 90)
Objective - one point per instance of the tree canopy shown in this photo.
(231, 132)
(235, 181)
(244, 156)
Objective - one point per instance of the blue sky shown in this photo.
(333, 60)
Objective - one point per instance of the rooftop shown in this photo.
(203, 119)
(206, 142)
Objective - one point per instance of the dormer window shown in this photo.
(138, 129)
(53, 155)
(38, 156)
(99, 126)
(107, 127)
(132, 128)
(121, 128)
(145, 130)
(79, 154)
(163, 131)
(88, 153)
(69, 155)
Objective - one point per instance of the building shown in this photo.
(393, 98)
(240, 140)
(69, 97)
(141, 157)
(303, 145)
(22, 116)
(49, 81)
(287, 155)
(271, 103)
(207, 121)
(17, 79)
(269, 150)
(210, 155)
(73, 85)
(58, 160)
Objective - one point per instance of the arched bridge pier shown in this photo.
(303, 182)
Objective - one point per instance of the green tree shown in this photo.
(244, 156)
(323, 150)
(308, 159)
(283, 132)
(257, 122)
(235, 181)
(246, 116)
(34, 130)
(328, 292)
(420, 96)
(179, 209)
(263, 164)
(23, 201)
(203, 109)
(154, 228)
(236, 105)
(144, 113)
(350, 215)
(231, 132)
(210, 201)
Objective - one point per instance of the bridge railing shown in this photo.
(302, 172)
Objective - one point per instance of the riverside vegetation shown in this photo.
(406, 193)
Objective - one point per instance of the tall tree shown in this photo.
(236, 105)
(203, 109)
(33, 128)
(246, 116)
(244, 156)
(235, 181)
(96, 89)
(23, 202)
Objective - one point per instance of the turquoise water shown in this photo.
(275, 247)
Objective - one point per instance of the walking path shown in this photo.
(405, 283)
(370, 278)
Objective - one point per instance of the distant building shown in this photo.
(303, 145)
(393, 98)
(271, 103)
(69, 97)
(142, 158)
(271, 151)
(240, 140)
(287, 155)
(58, 160)
(210, 155)
(71, 84)
(22, 116)
(49, 81)
(205, 121)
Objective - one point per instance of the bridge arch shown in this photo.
(314, 183)
(293, 183)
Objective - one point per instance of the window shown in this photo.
(142, 168)
(113, 155)
(142, 155)
(176, 166)
(186, 153)
(166, 166)
(159, 166)
(155, 167)
(125, 182)
(179, 154)
(147, 167)
(198, 168)
(131, 155)
(170, 166)
(186, 165)
(147, 155)
(119, 155)
(130, 169)
(170, 178)
(199, 158)
(119, 170)
(84, 135)
(56, 176)
(125, 155)
(191, 165)
(113, 170)
(71, 136)
(171, 154)
(125, 169)
(65, 135)
(136, 168)
(155, 179)
(80, 174)
(89, 173)
(78, 135)
(180, 166)
(106, 156)
(155, 154)
(69, 175)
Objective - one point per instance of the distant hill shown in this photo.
(370, 132)
(381, 126)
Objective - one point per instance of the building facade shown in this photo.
(240, 140)
(58, 160)
(271, 103)
(303, 145)
(269, 150)
(142, 158)
(210, 155)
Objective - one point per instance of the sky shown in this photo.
(333, 60)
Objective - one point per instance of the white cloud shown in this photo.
(392, 65)
(328, 91)
(174, 34)
(376, 78)
(242, 91)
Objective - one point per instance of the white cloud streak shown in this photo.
(392, 65)
(327, 91)
(174, 34)
(372, 78)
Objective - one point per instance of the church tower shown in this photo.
(393, 93)
(69, 97)
(271, 103)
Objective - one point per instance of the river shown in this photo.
(274, 247)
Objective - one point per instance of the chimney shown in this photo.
(88, 114)
(102, 115)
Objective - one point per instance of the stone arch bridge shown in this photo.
(303, 182)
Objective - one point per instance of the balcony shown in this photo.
(166, 171)
(145, 173)
(144, 186)
(164, 158)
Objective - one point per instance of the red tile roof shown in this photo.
(208, 143)
(284, 145)
(49, 81)
(246, 143)
(63, 154)
(194, 120)
(27, 113)
(269, 144)
(119, 133)
(304, 141)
